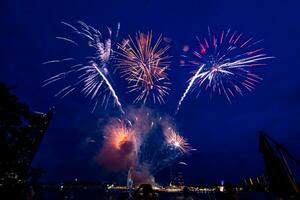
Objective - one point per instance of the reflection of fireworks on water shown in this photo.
(152, 143)
(225, 64)
(144, 65)
(93, 72)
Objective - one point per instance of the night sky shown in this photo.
(226, 135)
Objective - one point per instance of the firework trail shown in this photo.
(143, 144)
(144, 65)
(94, 76)
(225, 64)
(116, 98)
(191, 83)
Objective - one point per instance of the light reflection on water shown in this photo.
(96, 194)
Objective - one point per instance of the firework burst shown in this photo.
(92, 72)
(119, 133)
(225, 64)
(143, 143)
(177, 141)
(144, 65)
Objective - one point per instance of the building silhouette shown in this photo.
(281, 181)
(176, 178)
(21, 132)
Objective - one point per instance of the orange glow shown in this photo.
(119, 133)
(120, 136)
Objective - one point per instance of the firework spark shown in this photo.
(144, 65)
(225, 64)
(177, 141)
(93, 74)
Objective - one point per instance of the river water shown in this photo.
(95, 194)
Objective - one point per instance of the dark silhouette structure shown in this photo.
(280, 178)
(176, 177)
(21, 132)
(145, 192)
(187, 194)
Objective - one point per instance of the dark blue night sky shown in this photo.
(226, 135)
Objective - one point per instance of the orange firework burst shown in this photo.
(144, 65)
(177, 141)
(119, 134)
